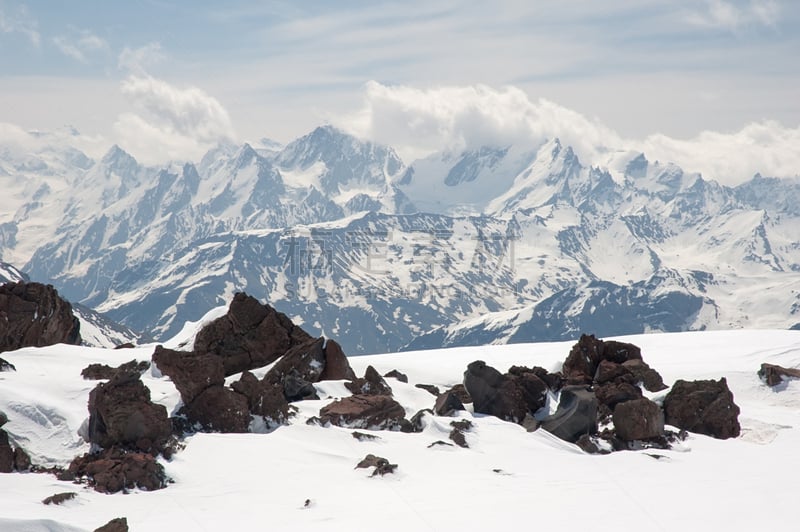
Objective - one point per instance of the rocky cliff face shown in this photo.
(33, 315)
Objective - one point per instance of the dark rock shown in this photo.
(462, 424)
(249, 336)
(376, 412)
(361, 436)
(263, 399)
(381, 465)
(530, 423)
(608, 371)
(3, 418)
(402, 377)
(6, 454)
(554, 381)
(104, 371)
(705, 407)
(296, 388)
(447, 404)
(59, 498)
(371, 384)
(587, 444)
(219, 409)
(118, 524)
(462, 393)
(126, 345)
(337, 367)
(638, 419)
(493, 393)
(191, 372)
(773, 375)
(458, 438)
(22, 460)
(575, 416)
(418, 420)
(306, 360)
(430, 388)
(620, 352)
(33, 315)
(534, 391)
(121, 414)
(611, 394)
(5, 365)
(581, 364)
(650, 378)
(115, 470)
(440, 442)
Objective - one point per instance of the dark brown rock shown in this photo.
(375, 412)
(581, 363)
(430, 388)
(296, 388)
(3, 418)
(263, 398)
(126, 345)
(458, 438)
(191, 372)
(118, 524)
(22, 460)
(461, 392)
(642, 372)
(447, 404)
(611, 394)
(219, 409)
(121, 414)
(638, 419)
(402, 377)
(381, 465)
(6, 454)
(114, 470)
(33, 315)
(620, 352)
(705, 407)
(371, 384)
(534, 391)
(104, 371)
(774, 375)
(608, 371)
(306, 360)
(337, 367)
(5, 365)
(361, 436)
(494, 393)
(59, 498)
(249, 336)
(418, 422)
(554, 381)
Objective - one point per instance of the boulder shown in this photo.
(650, 378)
(219, 409)
(575, 416)
(6, 454)
(585, 356)
(115, 470)
(494, 393)
(394, 374)
(704, 406)
(371, 384)
(191, 372)
(122, 414)
(534, 390)
(306, 360)
(638, 419)
(774, 375)
(376, 412)
(22, 460)
(263, 398)
(34, 315)
(105, 372)
(430, 388)
(337, 367)
(612, 394)
(608, 371)
(381, 465)
(448, 404)
(59, 498)
(461, 392)
(249, 336)
(118, 524)
(296, 388)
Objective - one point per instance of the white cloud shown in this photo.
(138, 60)
(170, 122)
(81, 45)
(20, 22)
(418, 122)
(726, 14)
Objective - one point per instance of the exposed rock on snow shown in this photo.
(374, 412)
(118, 524)
(576, 414)
(370, 384)
(104, 371)
(772, 374)
(114, 470)
(33, 314)
(638, 419)
(704, 407)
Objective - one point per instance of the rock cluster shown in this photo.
(34, 315)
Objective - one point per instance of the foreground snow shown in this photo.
(507, 477)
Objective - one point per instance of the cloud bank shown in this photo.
(421, 121)
(169, 122)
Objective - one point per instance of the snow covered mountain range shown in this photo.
(494, 245)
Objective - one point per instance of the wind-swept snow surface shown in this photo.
(302, 477)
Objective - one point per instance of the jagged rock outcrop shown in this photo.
(703, 406)
(263, 399)
(122, 415)
(583, 360)
(510, 397)
(218, 409)
(114, 470)
(306, 360)
(191, 372)
(447, 404)
(370, 384)
(34, 315)
(375, 412)
(104, 371)
(337, 366)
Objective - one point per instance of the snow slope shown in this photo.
(507, 477)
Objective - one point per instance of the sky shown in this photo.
(709, 84)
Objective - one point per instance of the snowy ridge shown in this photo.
(495, 478)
